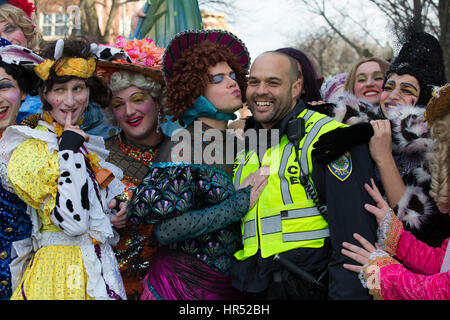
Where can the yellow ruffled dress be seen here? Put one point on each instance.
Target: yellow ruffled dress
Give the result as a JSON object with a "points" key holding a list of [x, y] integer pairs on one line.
{"points": [[58, 270], [34, 172]]}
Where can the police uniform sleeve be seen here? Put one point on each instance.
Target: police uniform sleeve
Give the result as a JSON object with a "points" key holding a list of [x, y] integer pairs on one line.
{"points": [[340, 185]]}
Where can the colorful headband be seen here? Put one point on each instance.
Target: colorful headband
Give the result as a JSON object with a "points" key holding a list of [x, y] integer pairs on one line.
{"points": [[77, 67]]}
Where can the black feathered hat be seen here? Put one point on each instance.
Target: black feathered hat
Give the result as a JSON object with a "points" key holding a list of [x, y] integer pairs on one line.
{"points": [[421, 57]]}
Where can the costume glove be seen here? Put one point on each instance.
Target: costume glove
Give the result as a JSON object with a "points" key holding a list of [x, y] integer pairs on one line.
{"points": [[334, 144], [70, 140]]}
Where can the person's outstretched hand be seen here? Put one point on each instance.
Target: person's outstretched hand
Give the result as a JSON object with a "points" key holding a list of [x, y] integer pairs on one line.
{"points": [[382, 208], [258, 180], [358, 254]]}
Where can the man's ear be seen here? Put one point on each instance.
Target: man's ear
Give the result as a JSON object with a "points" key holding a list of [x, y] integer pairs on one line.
{"points": [[296, 89]]}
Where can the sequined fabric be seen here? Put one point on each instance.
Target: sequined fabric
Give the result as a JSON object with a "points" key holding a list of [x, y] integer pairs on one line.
{"points": [[137, 244], [134, 253], [170, 190], [15, 224]]}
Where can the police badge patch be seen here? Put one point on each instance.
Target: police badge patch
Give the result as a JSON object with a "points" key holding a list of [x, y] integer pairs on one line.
{"points": [[342, 167]]}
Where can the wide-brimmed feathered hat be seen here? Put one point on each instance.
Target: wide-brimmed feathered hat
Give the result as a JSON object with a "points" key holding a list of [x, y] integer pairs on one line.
{"points": [[420, 56], [189, 38], [141, 56]]}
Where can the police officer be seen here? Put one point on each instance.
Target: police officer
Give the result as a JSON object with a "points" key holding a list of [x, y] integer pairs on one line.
{"points": [[292, 237]]}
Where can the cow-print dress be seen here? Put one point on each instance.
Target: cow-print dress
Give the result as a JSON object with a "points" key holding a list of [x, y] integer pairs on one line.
{"points": [[72, 234]]}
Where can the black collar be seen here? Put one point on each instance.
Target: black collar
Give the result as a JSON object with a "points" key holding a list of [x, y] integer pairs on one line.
{"points": [[281, 125], [251, 123]]}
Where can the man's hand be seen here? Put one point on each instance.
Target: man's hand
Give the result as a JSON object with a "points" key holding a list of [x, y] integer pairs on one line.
{"points": [[68, 126], [258, 181], [121, 217]]}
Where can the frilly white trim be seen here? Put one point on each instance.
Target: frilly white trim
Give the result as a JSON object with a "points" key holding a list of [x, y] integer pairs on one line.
{"points": [[374, 255], [100, 226], [21, 253], [383, 229]]}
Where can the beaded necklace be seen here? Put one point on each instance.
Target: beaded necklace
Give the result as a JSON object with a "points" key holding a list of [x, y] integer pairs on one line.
{"points": [[144, 154]]}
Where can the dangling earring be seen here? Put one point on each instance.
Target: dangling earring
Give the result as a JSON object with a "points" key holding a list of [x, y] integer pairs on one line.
{"points": [[158, 121]]}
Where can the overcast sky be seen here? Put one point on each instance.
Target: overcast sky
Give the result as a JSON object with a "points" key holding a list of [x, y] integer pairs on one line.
{"points": [[268, 24]]}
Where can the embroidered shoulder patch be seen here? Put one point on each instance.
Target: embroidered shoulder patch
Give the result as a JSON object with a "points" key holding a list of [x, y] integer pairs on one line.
{"points": [[342, 167]]}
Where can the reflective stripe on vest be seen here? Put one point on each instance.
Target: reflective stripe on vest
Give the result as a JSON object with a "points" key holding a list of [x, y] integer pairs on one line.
{"points": [[284, 217]]}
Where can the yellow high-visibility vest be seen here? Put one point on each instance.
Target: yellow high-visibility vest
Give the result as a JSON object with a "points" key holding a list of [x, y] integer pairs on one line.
{"points": [[284, 218]]}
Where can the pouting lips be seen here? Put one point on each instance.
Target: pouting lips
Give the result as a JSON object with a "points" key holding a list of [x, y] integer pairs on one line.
{"points": [[236, 92]]}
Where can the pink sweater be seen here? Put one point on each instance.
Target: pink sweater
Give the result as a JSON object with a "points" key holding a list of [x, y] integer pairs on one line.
{"points": [[419, 278]]}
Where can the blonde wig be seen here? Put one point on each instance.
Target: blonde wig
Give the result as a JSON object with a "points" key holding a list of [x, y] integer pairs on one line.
{"points": [[124, 79], [18, 18], [440, 161]]}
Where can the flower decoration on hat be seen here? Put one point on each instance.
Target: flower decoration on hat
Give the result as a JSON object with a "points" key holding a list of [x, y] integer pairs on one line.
{"points": [[27, 6], [141, 55], [143, 52]]}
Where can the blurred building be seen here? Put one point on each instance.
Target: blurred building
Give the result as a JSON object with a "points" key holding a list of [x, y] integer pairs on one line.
{"points": [[61, 18]]}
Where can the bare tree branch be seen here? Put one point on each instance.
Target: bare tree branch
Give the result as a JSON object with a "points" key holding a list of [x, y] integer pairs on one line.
{"points": [[366, 31], [320, 10]]}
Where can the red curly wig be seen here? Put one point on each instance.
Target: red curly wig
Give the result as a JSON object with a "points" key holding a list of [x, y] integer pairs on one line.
{"points": [[190, 75]]}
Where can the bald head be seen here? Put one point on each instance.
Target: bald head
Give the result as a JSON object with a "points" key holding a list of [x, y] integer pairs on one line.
{"points": [[292, 66], [273, 87]]}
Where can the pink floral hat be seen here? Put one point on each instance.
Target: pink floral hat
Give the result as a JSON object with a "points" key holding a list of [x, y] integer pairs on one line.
{"points": [[142, 56]]}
